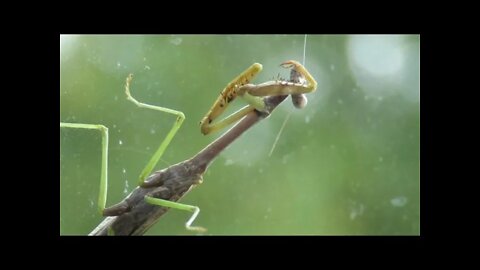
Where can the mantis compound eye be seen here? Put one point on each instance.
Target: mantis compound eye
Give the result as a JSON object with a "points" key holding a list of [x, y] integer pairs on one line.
{"points": [[299, 101]]}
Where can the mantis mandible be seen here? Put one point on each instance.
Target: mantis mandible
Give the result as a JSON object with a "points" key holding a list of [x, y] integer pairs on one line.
{"points": [[253, 94]]}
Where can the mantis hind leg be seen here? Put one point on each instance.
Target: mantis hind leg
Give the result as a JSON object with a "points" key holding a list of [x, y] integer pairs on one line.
{"points": [[180, 206], [163, 145], [102, 197], [156, 157]]}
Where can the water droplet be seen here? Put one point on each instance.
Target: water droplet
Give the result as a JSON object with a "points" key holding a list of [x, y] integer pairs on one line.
{"points": [[229, 162], [125, 190], [153, 131], [340, 101], [399, 201], [147, 67], [357, 211], [307, 119], [124, 171], [118, 64], [120, 142], [176, 40], [332, 67], [260, 170]]}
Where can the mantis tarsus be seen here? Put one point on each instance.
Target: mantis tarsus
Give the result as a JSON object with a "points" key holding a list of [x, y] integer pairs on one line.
{"points": [[163, 188]]}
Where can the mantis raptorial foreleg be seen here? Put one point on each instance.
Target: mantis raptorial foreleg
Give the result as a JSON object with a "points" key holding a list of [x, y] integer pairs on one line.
{"points": [[228, 94], [254, 94]]}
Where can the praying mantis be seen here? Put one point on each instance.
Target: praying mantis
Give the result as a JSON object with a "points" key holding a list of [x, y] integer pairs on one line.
{"points": [[149, 188]]}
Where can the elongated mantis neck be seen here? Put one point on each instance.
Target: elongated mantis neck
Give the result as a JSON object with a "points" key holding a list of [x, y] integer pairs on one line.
{"points": [[211, 151]]}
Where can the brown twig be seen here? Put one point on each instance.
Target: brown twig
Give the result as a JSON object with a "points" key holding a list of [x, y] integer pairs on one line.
{"points": [[134, 216]]}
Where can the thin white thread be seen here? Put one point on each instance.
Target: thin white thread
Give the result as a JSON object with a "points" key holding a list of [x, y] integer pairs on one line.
{"points": [[279, 133], [290, 113], [304, 49]]}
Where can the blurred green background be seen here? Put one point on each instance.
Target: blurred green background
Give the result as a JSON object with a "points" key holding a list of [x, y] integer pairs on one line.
{"points": [[347, 164]]}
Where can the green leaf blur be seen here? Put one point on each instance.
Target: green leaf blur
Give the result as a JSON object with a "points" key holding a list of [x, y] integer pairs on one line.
{"points": [[347, 164]]}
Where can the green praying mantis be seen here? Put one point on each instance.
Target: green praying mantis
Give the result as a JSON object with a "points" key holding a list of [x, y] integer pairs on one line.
{"points": [[255, 96]]}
